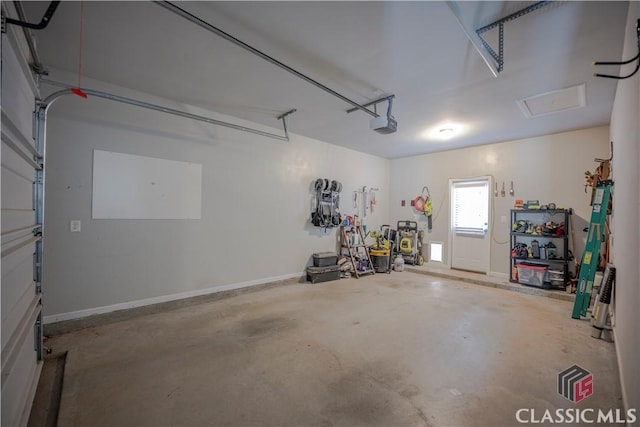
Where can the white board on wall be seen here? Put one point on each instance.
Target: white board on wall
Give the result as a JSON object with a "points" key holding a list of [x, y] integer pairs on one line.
{"points": [[126, 186]]}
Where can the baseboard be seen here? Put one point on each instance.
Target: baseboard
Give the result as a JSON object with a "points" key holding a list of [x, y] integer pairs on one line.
{"points": [[490, 273], [498, 274], [53, 318], [622, 384], [436, 264]]}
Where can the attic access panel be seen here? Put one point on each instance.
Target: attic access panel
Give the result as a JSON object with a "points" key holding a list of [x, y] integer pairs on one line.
{"points": [[554, 101]]}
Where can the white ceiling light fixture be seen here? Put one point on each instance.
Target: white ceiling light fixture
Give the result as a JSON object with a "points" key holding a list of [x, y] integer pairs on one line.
{"points": [[445, 131], [554, 101]]}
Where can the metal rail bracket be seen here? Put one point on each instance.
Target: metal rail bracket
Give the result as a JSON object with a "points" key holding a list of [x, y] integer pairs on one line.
{"points": [[46, 18], [499, 56]]}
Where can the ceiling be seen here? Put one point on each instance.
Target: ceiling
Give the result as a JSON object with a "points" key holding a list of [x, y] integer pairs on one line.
{"points": [[418, 51]]}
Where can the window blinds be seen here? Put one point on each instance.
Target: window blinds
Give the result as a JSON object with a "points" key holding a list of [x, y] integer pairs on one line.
{"points": [[471, 207]]}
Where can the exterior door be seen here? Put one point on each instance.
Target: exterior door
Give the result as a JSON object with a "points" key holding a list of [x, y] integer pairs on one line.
{"points": [[21, 238], [470, 242]]}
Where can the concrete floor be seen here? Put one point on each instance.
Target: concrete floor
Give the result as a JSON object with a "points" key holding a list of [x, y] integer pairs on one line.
{"points": [[388, 350]]}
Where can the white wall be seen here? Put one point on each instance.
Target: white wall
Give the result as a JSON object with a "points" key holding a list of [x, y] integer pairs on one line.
{"points": [[548, 168], [625, 134], [255, 206]]}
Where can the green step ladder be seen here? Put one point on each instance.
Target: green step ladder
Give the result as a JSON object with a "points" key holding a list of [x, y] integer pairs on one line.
{"points": [[591, 252]]}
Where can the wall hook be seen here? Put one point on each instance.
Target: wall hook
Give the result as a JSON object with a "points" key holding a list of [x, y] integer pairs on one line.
{"points": [[635, 58]]}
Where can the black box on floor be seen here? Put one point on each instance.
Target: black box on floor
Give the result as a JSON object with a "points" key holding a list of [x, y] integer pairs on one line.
{"points": [[322, 259], [323, 274]]}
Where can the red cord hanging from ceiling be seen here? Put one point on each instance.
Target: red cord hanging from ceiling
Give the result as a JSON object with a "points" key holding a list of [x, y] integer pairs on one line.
{"points": [[77, 90]]}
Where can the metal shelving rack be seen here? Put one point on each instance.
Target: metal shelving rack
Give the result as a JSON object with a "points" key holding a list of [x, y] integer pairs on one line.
{"points": [[540, 216]]}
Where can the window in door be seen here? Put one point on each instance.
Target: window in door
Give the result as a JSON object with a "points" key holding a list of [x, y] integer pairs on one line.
{"points": [[470, 207]]}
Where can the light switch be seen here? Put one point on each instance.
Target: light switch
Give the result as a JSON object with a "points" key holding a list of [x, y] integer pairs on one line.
{"points": [[74, 226], [503, 218]]}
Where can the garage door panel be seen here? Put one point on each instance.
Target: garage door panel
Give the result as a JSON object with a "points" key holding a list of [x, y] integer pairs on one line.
{"points": [[17, 97], [14, 255], [16, 191], [15, 283], [13, 220], [11, 238], [21, 380], [15, 162], [17, 266], [20, 305], [16, 219]]}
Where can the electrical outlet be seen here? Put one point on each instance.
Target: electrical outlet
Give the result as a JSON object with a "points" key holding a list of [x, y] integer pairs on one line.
{"points": [[402, 203], [74, 226]]}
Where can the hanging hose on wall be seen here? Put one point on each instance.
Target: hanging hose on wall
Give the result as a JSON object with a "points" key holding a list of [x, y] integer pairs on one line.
{"points": [[418, 203], [424, 205]]}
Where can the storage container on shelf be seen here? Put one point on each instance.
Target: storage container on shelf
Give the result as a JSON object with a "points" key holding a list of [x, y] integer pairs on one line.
{"points": [[531, 274]]}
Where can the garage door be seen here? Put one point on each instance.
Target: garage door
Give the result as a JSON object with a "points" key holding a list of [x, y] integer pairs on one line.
{"points": [[21, 243]]}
